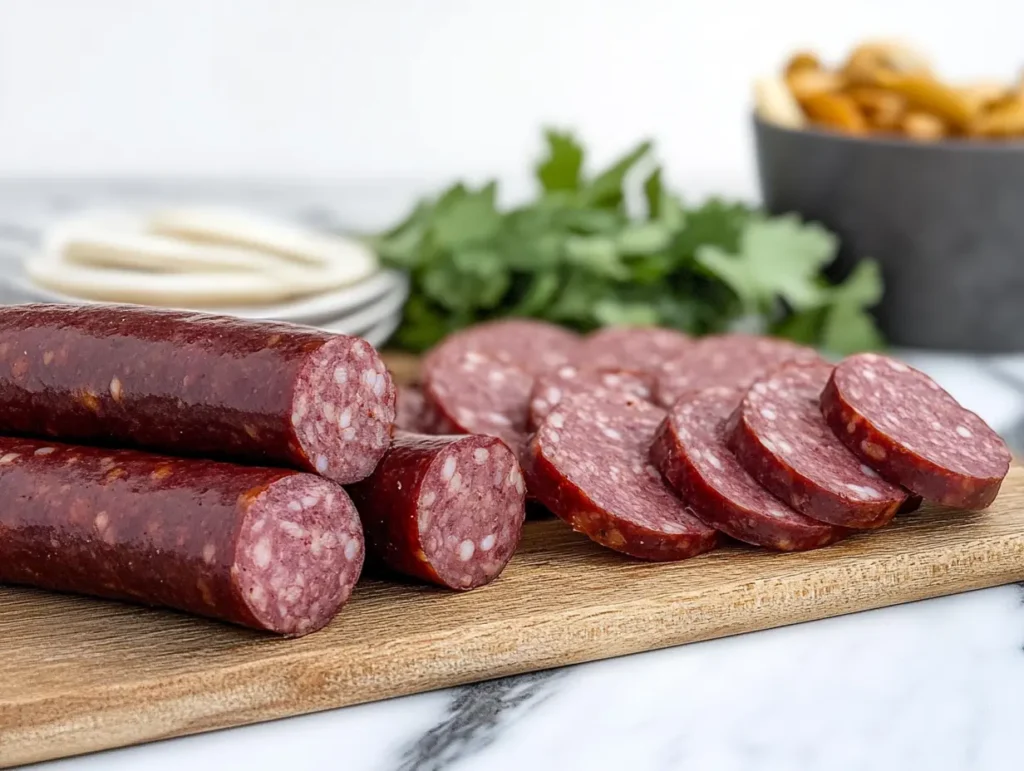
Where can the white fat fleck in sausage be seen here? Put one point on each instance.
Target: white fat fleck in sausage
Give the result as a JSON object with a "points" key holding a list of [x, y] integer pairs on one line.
{"points": [[448, 469], [466, 550]]}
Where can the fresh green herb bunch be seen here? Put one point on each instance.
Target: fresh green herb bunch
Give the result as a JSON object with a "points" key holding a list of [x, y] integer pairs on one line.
{"points": [[575, 256]]}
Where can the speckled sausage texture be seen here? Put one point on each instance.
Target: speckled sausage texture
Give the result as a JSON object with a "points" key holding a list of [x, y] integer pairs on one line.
{"points": [[588, 464], [444, 509], [902, 424], [691, 453], [730, 361], [549, 389], [196, 384], [409, 409], [533, 346], [266, 548], [478, 381], [780, 437], [641, 349]]}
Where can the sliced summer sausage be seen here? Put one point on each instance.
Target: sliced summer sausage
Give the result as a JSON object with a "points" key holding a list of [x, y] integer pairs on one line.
{"points": [[548, 390], [476, 394], [196, 384], [642, 349], [725, 360], [266, 548], [532, 346], [691, 453], [410, 409], [588, 464], [444, 509], [779, 436], [902, 424]]}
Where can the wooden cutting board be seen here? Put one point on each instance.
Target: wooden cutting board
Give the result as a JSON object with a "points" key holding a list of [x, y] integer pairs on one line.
{"points": [[78, 674]]}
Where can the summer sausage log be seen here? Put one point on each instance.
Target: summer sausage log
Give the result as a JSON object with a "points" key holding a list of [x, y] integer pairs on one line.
{"points": [[732, 361], [266, 548], [780, 437], [549, 389], [902, 424], [445, 509], [588, 464], [196, 384], [690, 451], [642, 349]]}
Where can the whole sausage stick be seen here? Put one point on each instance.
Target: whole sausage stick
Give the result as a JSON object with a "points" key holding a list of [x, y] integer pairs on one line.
{"points": [[196, 384], [266, 548]]}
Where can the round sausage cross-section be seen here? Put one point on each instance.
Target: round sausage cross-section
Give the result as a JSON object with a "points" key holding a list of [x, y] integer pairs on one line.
{"points": [[550, 389], [532, 346], [588, 464], [642, 349], [196, 384], [445, 509], [725, 360], [475, 393], [779, 436], [409, 409], [902, 424], [691, 453], [266, 548]]}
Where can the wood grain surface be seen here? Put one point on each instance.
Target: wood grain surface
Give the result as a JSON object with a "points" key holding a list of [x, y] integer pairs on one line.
{"points": [[78, 674]]}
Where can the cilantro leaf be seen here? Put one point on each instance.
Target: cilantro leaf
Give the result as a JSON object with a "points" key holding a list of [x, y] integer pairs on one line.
{"points": [[775, 258], [562, 168], [653, 194], [848, 327], [605, 190], [464, 217]]}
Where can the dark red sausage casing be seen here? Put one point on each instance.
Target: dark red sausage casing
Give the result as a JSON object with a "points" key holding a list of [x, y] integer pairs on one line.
{"points": [[266, 548], [445, 509], [907, 428], [690, 450], [779, 436], [196, 384], [588, 464]]}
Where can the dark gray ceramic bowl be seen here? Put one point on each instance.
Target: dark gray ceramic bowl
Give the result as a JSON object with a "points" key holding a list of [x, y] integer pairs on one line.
{"points": [[944, 220]]}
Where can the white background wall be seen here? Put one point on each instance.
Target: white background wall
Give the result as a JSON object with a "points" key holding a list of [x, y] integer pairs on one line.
{"points": [[426, 89]]}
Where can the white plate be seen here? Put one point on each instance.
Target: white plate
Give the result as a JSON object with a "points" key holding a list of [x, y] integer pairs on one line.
{"points": [[381, 287]]}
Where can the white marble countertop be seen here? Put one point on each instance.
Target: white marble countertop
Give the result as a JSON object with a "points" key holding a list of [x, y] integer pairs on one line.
{"points": [[937, 684]]}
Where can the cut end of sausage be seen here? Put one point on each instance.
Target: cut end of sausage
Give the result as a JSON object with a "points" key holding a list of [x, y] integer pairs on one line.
{"points": [[410, 409], [343, 410], [780, 437], [691, 452], [549, 389], [902, 424], [299, 554], [731, 361], [644, 349], [471, 507], [588, 463], [475, 393]]}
